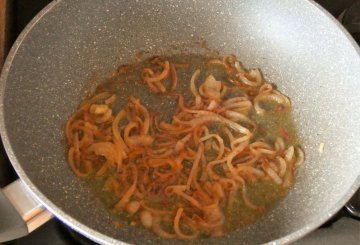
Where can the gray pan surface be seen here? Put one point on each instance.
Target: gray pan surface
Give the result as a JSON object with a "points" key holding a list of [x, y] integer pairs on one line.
{"points": [[296, 44]]}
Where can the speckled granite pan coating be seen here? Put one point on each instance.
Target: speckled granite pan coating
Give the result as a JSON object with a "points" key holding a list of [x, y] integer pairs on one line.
{"points": [[296, 44]]}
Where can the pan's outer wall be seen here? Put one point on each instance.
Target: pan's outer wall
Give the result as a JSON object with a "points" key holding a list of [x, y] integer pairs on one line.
{"points": [[297, 45]]}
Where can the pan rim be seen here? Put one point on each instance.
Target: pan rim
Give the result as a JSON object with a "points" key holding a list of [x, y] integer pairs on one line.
{"points": [[47, 203], [100, 237]]}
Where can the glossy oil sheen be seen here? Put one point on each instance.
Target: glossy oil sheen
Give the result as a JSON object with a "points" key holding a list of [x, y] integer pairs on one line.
{"points": [[264, 193], [296, 43]]}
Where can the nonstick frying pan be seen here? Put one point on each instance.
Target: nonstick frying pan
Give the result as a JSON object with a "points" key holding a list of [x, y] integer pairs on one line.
{"points": [[297, 45]]}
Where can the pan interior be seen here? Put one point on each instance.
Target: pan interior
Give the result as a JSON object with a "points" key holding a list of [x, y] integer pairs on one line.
{"points": [[77, 44]]}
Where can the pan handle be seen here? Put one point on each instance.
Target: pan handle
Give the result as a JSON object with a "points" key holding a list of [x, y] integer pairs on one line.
{"points": [[352, 207], [20, 212]]}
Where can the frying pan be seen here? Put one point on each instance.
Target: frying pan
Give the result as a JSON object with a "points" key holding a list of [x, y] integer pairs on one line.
{"points": [[297, 45]]}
